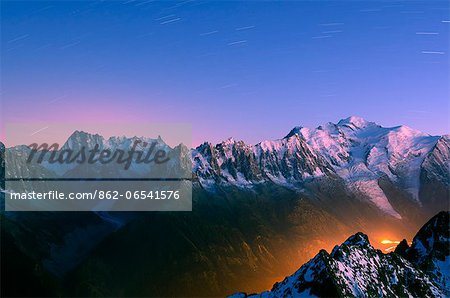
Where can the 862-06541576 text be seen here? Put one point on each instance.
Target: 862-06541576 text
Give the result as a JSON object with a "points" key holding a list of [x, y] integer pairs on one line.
{"points": [[98, 195]]}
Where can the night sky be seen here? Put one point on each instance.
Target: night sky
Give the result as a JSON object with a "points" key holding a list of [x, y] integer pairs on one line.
{"points": [[251, 70]]}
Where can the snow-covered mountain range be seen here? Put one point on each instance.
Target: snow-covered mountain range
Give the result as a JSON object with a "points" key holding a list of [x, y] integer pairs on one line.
{"points": [[357, 269], [366, 159], [354, 150]]}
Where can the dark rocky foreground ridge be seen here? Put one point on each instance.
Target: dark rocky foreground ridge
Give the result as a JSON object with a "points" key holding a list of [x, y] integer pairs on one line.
{"points": [[357, 269]]}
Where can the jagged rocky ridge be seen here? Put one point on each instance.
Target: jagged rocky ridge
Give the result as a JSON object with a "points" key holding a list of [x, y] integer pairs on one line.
{"points": [[368, 160], [357, 152], [356, 269]]}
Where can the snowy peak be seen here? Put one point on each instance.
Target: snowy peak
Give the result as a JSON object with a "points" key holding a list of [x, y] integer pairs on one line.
{"points": [[355, 122], [295, 131], [359, 239], [80, 139], [228, 142], [430, 250], [356, 269]]}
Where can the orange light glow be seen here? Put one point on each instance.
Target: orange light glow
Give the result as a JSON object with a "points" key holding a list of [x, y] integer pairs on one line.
{"points": [[391, 247], [389, 241]]}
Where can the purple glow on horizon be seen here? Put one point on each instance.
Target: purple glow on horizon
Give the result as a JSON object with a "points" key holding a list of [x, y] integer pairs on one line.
{"points": [[121, 63]]}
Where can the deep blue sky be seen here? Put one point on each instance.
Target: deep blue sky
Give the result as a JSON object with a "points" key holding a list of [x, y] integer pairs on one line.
{"points": [[251, 70]]}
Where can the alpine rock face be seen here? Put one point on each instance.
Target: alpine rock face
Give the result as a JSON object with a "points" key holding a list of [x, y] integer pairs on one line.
{"points": [[361, 154], [430, 250], [356, 269]]}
